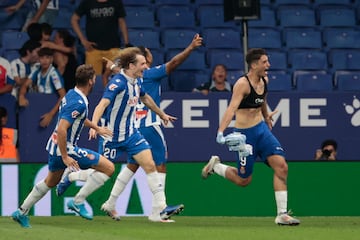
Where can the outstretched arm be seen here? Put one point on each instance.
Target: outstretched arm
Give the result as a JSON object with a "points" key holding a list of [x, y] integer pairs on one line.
{"points": [[182, 56], [149, 102]]}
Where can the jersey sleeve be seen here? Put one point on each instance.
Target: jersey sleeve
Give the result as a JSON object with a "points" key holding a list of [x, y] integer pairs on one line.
{"points": [[57, 79], [115, 86], [72, 109]]}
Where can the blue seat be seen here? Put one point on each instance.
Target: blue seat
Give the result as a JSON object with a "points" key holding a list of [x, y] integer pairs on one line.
{"points": [[146, 38], [341, 37], [347, 80], [307, 60], [267, 19], [314, 81], [234, 75], [13, 40], [264, 38], [299, 16], [279, 81], [337, 16], [14, 21], [318, 3], [137, 2], [344, 59], [11, 54], [195, 61], [222, 38], [177, 38], [303, 38], [233, 59], [212, 16], [158, 57], [140, 17], [63, 19], [291, 2], [175, 16], [183, 81], [278, 60], [207, 2]]}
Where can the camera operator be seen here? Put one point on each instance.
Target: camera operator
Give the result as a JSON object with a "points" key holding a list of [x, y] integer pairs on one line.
{"points": [[327, 151]]}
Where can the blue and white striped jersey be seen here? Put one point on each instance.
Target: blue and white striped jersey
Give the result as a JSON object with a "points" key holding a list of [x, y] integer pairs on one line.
{"points": [[74, 109], [123, 93], [152, 84], [21, 69], [48, 83], [53, 4]]}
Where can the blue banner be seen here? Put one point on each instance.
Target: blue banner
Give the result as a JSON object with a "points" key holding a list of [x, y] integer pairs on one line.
{"points": [[303, 121]]}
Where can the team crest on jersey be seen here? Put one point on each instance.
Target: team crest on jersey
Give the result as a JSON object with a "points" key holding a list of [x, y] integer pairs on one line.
{"points": [[74, 114], [112, 87]]}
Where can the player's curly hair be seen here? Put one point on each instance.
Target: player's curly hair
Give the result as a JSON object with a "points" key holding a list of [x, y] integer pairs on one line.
{"points": [[83, 73]]}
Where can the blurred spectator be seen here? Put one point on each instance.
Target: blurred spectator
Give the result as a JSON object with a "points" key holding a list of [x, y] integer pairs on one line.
{"points": [[8, 140], [65, 63], [45, 79], [6, 79], [21, 67], [102, 39], [327, 151], [217, 83], [43, 11]]}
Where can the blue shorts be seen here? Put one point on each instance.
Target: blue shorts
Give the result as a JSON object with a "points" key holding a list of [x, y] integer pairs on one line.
{"points": [[264, 144], [86, 158], [155, 137], [133, 145]]}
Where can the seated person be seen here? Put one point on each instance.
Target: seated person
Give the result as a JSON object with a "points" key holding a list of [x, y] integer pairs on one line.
{"points": [[45, 79], [327, 151], [21, 67], [218, 82], [6, 79]]}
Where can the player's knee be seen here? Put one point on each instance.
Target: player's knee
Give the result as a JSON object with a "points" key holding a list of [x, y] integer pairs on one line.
{"points": [[243, 182]]}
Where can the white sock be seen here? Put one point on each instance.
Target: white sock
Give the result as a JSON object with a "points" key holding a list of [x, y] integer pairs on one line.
{"points": [[38, 191], [94, 181], [281, 201], [81, 175], [157, 189], [122, 180], [220, 169], [162, 178]]}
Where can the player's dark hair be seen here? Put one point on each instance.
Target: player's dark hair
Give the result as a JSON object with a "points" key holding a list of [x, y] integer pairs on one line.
{"points": [[29, 45], [254, 55], [83, 73]]}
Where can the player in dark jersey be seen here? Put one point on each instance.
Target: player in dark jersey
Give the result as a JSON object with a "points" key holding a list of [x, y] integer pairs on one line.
{"points": [[248, 104]]}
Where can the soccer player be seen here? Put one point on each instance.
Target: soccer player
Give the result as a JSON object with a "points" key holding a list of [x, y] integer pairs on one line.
{"points": [[64, 152], [147, 122], [248, 104], [120, 98]]}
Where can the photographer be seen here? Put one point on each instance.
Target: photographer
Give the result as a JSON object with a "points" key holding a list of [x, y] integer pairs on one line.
{"points": [[327, 151]]}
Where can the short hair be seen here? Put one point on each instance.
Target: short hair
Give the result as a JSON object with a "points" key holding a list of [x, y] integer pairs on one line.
{"points": [[69, 40], [29, 45], [254, 54], [46, 28], [34, 31], [328, 142], [83, 73], [45, 52], [128, 55]]}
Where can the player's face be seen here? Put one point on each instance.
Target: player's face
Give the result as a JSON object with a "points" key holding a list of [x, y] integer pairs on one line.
{"points": [[140, 66], [262, 66], [92, 83]]}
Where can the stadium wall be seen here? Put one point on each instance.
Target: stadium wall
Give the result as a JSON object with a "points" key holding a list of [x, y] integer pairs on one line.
{"points": [[315, 189]]}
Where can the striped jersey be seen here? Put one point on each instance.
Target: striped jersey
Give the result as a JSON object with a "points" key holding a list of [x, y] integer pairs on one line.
{"points": [[49, 82], [124, 93], [74, 109], [152, 84], [53, 4], [21, 69]]}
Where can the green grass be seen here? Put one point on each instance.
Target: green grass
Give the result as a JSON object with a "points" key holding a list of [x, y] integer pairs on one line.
{"points": [[185, 228]]}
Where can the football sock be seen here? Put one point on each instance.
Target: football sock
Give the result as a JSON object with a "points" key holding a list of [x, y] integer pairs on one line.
{"points": [[94, 181], [122, 180], [220, 169], [157, 189], [281, 201], [81, 175], [38, 191]]}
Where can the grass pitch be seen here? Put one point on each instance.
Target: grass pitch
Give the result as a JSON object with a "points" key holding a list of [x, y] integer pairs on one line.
{"points": [[185, 228]]}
